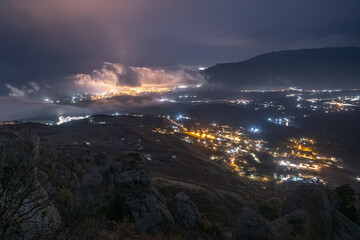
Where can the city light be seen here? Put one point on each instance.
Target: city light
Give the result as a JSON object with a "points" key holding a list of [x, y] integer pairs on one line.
{"points": [[254, 130], [63, 119]]}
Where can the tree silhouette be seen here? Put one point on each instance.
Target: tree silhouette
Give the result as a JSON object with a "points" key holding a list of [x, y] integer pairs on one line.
{"points": [[22, 194]]}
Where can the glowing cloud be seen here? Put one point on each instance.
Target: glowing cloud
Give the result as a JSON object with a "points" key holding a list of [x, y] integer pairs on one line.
{"points": [[113, 75]]}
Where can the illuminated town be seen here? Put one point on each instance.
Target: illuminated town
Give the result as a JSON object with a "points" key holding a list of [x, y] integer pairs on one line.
{"points": [[131, 91], [239, 149]]}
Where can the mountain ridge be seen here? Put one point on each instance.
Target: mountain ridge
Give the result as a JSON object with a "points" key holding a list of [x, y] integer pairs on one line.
{"points": [[307, 68]]}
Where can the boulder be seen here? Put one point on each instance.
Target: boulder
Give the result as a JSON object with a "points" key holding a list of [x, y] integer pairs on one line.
{"points": [[251, 225], [93, 175], [290, 226], [298, 199], [186, 209], [149, 211], [318, 216], [45, 219], [30, 210], [129, 181], [343, 228], [313, 211]]}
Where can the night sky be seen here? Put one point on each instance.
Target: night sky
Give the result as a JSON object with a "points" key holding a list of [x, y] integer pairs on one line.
{"points": [[43, 43]]}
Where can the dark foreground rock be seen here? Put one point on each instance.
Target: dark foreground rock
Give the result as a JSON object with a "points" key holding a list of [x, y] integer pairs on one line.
{"points": [[291, 226], [251, 225], [298, 199], [318, 216], [312, 213], [93, 187], [186, 209], [26, 209], [343, 228], [124, 181]]}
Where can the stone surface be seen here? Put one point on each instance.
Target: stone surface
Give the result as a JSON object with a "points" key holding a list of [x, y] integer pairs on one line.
{"points": [[35, 213], [95, 181], [43, 222], [187, 210], [318, 216], [149, 211], [298, 199], [93, 175], [343, 228], [251, 226], [290, 226], [312, 211], [126, 179]]}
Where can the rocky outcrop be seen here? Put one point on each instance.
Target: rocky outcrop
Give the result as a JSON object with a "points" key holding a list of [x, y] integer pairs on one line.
{"points": [[251, 225], [124, 181], [291, 226], [98, 183], [187, 211], [44, 218], [298, 199], [312, 213], [101, 183], [93, 176], [150, 212], [343, 228], [132, 182], [26, 209], [318, 216]]}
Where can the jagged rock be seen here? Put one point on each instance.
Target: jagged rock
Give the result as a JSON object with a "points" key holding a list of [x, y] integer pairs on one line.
{"points": [[251, 226], [291, 225], [128, 180], [298, 199], [119, 184], [323, 221], [318, 216], [343, 228], [23, 145], [44, 221], [30, 211], [149, 211], [93, 175], [186, 209]]}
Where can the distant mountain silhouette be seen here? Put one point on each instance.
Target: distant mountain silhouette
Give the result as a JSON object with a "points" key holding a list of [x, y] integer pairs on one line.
{"points": [[337, 67]]}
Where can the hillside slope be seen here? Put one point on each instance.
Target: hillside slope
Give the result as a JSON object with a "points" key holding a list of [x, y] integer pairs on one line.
{"points": [[306, 68]]}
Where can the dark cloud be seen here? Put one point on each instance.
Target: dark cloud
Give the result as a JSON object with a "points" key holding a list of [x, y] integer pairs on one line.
{"points": [[23, 90], [47, 41]]}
